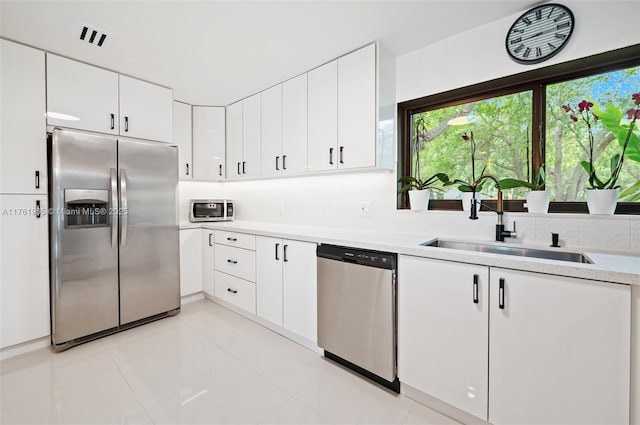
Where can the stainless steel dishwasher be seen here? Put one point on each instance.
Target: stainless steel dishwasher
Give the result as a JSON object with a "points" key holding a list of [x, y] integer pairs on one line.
{"points": [[357, 321]]}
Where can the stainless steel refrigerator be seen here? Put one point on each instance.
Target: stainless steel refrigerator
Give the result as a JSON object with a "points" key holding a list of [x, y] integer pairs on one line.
{"points": [[114, 240]]}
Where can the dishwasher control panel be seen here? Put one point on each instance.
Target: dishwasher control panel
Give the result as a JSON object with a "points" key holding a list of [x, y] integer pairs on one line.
{"points": [[383, 260]]}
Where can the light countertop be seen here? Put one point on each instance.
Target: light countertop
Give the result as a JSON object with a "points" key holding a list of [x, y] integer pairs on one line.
{"points": [[614, 267]]}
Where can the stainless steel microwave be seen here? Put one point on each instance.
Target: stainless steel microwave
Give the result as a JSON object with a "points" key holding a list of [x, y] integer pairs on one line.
{"points": [[211, 210]]}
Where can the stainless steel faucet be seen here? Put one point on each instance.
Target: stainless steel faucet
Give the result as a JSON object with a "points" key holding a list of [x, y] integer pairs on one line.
{"points": [[500, 232]]}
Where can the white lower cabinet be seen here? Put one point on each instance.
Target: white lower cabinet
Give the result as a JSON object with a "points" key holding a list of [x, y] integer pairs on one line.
{"points": [[24, 274], [208, 263], [286, 284], [443, 331], [190, 261], [559, 350], [558, 347], [236, 291]]}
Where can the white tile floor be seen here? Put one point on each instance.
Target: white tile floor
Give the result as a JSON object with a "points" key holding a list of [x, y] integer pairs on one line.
{"points": [[207, 365]]}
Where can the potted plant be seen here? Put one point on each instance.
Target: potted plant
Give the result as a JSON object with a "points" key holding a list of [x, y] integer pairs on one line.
{"points": [[537, 196], [467, 187], [602, 195], [419, 189]]}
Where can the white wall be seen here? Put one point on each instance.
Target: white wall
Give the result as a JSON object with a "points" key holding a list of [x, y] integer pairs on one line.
{"points": [[467, 58]]}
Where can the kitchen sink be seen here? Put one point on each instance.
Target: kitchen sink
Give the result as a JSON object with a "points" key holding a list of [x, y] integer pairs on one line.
{"points": [[575, 257]]}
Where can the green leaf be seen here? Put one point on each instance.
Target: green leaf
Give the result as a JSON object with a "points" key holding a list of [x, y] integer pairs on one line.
{"points": [[614, 162], [631, 194], [513, 183]]}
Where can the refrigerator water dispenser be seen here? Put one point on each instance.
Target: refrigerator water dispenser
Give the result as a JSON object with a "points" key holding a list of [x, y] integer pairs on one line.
{"points": [[86, 208]]}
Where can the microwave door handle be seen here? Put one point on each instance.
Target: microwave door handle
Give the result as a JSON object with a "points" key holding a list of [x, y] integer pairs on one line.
{"points": [[124, 222], [114, 208]]}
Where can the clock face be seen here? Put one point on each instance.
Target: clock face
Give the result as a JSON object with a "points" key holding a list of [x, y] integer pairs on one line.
{"points": [[539, 33]]}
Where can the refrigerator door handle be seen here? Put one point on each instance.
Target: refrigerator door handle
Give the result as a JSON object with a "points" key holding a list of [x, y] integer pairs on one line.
{"points": [[124, 221], [113, 210]]}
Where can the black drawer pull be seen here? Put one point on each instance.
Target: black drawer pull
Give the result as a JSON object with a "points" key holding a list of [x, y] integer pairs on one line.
{"points": [[341, 154], [284, 253], [501, 294], [330, 156], [284, 162], [37, 179], [244, 164], [233, 291], [475, 289], [126, 124], [277, 248], [113, 121], [277, 163], [210, 234], [187, 169], [220, 169], [232, 261], [232, 239]]}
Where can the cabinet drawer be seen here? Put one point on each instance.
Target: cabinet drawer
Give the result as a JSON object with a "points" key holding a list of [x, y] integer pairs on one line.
{"points": [[240, 240], [235, 261], [236, 291]]}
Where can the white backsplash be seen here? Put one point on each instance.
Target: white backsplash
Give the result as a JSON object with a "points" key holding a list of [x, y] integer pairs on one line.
{"points": [[335, 201]]}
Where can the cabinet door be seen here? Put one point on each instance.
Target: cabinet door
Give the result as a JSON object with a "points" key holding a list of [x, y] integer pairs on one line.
{"points": [[182, 138], [208, 143], [145, 110], [234, 140], [299, 278], [23, 147], [357, 109], [251, 136], [294, 125], [24, 275], [81, 96], [190, 261], [443, 332], [208, 261], [269, 279], [323, 117], [560, 350], [272, 131]]}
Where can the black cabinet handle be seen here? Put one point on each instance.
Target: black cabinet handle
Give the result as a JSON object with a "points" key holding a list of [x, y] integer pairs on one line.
{"points": [[501, 294], [126, 123], [475, 288], [113, 121], [233, 291], [277, 247], [37, 179], [330, 156], [284, 253], [232, 239], [244, 164], [187, 169], [238, 168], [220, 169], [277, 163], [38, 209], [284, 162], [232, 261], [341, 154], [210, 234]]}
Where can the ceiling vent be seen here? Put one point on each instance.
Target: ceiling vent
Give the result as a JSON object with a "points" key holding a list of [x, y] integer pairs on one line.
{"points": [[93, 36]]}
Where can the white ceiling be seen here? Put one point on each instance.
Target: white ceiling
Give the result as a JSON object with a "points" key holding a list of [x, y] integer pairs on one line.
{"points": [[217, 52]]}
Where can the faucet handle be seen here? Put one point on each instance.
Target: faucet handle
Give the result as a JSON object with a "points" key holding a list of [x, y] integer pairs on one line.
{"points": [[513, 233]]}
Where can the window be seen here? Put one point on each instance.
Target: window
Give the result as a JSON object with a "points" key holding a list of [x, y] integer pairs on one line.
{"points": [[519, 124]]}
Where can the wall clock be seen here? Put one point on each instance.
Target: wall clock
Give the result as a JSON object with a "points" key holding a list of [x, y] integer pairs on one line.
{"points": [[540, 33]]}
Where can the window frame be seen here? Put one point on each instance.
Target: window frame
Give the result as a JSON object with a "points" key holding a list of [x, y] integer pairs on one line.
{"points": [[535, 80]]}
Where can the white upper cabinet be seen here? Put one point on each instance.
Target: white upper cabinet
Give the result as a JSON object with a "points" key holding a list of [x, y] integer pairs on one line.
{"points": [[294, 125], [323, 117], [23, 151], [234, 140], [90, 98], [81, 96], [182, 138], [208, 143], [251, 136], [145, 110], [357, 109], [559, 350], [272, 131]]}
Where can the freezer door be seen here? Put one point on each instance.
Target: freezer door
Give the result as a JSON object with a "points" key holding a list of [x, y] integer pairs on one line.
{"points": [[149, 241], [84, 251]]}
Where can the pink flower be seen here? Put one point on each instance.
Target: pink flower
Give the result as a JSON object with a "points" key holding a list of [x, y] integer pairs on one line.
{"points": [[633, 112], [574, 118], [584, 106], [636, 98], [465, 137], [566, 108]]}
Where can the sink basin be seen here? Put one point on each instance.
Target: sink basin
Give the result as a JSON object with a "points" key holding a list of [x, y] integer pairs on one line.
{"points": [[575, 257]]}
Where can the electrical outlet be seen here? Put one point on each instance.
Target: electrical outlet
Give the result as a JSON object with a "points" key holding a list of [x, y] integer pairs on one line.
{"points": [[365, 208]]}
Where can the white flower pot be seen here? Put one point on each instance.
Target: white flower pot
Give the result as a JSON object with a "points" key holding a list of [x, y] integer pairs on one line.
{"points": [[419, 199], [537, 201], [602, 201], [466, 201]]}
